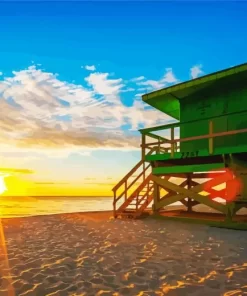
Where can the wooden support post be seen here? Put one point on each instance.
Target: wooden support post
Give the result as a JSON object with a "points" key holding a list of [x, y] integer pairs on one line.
{"points": [[172, 142], [114, 203], [143, 146], [210, 140], [158, 145], [156, 197], [125, 190], [230, 211], [189, 203], [137, 200]]}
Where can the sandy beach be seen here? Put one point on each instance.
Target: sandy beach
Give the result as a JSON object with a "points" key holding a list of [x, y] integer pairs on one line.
{"points": [[92, 254]]}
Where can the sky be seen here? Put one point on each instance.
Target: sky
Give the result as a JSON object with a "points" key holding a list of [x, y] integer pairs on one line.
{"points": [[72, 76]]}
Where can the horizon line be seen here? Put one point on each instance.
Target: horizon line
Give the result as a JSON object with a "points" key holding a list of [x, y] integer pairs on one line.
{"points": [[55, 196]]}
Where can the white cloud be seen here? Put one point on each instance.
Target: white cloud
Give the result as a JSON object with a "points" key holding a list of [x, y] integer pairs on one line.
{"points": [[128, 89], [102, 85], [1, 73], [37, 110], [90, 68], [196, 71], [167, 79], [138, 78]]}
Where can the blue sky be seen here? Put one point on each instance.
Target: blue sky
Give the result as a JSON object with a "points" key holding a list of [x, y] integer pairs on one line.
{"points": [[98, 58], [127, 38]]}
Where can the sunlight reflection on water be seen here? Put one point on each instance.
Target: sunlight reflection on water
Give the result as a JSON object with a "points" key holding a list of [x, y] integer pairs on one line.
{"points": [[21, 206]]}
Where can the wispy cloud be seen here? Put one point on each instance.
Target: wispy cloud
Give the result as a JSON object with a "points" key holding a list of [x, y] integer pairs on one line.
{"points": [[196, 71], [168, 78], [102, 85], [38, 110], [138, 78], [90, 68], [11, 170], [148, 85]]}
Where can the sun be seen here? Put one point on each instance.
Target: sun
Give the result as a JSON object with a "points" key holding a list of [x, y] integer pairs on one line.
{"points": [[2, 185]]}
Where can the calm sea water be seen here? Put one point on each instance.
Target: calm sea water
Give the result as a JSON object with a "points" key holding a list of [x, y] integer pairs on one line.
{"points": [[29, 206]]}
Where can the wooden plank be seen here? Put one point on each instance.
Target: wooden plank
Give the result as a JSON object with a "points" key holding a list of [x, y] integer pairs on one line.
{"points": [[169, 200], [143, 146], [172, 142], [133, 195]]}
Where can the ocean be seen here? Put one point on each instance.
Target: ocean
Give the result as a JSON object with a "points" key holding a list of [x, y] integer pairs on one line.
{"points": [[11, 207]]}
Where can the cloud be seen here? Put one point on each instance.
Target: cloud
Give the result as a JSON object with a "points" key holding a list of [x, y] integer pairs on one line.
{"points": [[167, 79], [102, 85], [196, 71], [1, 73], [51, 183], [38, 110], [128, 89], [90, 68], [11, 170], [138, 78]]}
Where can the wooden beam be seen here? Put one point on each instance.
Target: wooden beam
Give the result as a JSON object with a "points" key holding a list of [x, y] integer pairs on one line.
{"points": [[184, 202], [156, 197], [172, 142], [169, 200], [205, 175], [221, 134], [194, 192], [143, 147], [158, 137], [189, 185]]}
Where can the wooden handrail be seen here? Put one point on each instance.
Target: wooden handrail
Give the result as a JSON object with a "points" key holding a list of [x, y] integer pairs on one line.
{"points": [[142, 185], [143, 197], [120, 183], [207, 136], [132, 183], [213, 135], [158, 137]]}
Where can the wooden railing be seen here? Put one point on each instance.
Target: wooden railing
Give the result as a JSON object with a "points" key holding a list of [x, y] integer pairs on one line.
{"points": [[173, 144], [126, 186], [136, 193]]}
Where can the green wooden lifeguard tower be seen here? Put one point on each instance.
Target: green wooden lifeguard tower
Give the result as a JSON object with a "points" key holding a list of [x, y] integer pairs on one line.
{"points": [[201, 157]]}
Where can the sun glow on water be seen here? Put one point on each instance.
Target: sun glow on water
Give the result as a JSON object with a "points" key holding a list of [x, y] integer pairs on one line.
{"points": [[2, 184]]}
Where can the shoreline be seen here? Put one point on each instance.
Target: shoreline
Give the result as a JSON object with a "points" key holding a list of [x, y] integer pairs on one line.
{"points": [[198, 209], [87, 213]]}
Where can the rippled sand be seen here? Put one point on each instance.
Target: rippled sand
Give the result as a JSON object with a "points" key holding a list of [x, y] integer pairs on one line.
{"points": [[88, 254]]}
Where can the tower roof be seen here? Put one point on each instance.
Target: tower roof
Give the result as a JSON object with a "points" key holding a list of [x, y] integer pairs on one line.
{"points": [[168, 99]]}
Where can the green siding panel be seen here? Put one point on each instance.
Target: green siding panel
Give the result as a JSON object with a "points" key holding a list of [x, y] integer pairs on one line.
{"points": [[228, 111], [188, 168]]}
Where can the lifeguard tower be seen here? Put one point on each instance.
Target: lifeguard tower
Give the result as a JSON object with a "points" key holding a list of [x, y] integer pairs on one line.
{"points": [[199, 158]]}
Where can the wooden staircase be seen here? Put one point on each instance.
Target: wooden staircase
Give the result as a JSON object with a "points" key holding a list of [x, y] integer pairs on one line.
{"points": [[134, 193]]}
